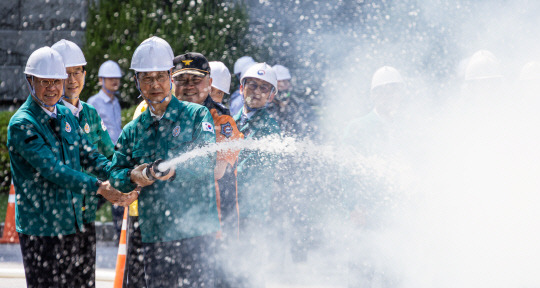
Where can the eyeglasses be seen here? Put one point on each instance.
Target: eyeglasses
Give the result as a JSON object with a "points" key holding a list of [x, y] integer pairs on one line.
{"points": [[147, 80], [195, 80], [76, 74], [49, 83], [264, 88]]}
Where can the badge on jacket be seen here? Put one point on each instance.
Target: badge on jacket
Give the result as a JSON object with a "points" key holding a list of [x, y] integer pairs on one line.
{"points": [[103, 126], [86, 128], [176, 131], [226, 129], [68, 128]]}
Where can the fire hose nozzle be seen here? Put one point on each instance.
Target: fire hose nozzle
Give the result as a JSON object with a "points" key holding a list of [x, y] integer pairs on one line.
{"points": [[154, 166]]}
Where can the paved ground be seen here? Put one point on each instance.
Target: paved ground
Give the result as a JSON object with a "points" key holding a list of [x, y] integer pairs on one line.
{"points": [[316, 273]]}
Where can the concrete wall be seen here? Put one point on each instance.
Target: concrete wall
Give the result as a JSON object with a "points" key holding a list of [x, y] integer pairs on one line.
{"points": [[26, 25]]}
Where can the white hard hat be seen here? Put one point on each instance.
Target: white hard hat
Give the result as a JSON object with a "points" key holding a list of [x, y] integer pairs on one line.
{"points": [[221, 77], [162, 41], [242, 64], [71, 53], [386, 75], [152, 55], [45, 62], [110, 69], [531, 71], [261, 71], [282, 73], [483, 65]]}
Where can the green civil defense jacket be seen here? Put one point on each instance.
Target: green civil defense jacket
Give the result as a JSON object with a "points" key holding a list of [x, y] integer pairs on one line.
{"points": [[256, 177], [96, 131], [186, 206], [47, 170]]}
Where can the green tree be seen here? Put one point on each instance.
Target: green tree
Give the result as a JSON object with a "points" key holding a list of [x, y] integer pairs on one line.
{"points": [[115, 28]]}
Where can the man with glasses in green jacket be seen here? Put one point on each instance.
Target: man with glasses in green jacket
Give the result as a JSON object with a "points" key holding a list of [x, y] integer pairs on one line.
{"points": [[178, 218], [256, 170], [49, 153]]}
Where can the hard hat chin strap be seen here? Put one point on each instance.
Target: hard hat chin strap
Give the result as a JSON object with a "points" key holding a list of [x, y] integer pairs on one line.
{"points": [[109, 91], [33, 94], [150, 102]]}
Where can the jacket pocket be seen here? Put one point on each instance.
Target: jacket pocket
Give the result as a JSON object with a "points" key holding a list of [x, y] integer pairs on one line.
{"points": [[71, 151]]}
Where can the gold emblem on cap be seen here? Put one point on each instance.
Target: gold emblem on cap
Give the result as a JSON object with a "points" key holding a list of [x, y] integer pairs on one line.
{"points": [[187, 62]]}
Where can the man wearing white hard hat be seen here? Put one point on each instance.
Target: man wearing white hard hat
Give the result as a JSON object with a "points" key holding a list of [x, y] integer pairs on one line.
{"points": [[49, 154], [483, 82], [236, 102], [376, 134], [106, 102], [369, 132], [256, 177], [89, 120], [221, 80], [177, 215]]}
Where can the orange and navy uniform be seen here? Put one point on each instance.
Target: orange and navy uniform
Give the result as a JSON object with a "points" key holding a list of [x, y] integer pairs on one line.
{"points": [[225, 172]]}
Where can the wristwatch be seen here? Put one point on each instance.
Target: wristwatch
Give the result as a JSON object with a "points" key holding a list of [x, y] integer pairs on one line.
{"points": [[98, 183]]}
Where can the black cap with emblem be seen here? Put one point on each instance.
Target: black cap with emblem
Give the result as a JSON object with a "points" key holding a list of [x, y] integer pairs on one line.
{"points": [[191, 63]]}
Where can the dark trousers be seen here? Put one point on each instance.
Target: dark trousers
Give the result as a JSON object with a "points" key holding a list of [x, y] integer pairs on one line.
{"points": [[60, 261], [183, 263], [134, 275]]}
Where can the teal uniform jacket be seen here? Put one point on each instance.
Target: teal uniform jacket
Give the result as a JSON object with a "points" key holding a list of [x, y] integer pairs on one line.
{"points": [[96, 131], [256, 169], [48, 170], [186, 206]]}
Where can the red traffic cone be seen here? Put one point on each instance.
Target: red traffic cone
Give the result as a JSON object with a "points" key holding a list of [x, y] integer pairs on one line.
{"points": [[122, 249], [10, 234]]}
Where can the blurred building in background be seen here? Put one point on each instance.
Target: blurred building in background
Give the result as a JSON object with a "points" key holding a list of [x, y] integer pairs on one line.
{"points": [[26, 25]]}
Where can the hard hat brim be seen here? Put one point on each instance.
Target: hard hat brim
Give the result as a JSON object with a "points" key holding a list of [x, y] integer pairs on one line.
{"points": [[157, 69], [77, 64], [220, 89]]}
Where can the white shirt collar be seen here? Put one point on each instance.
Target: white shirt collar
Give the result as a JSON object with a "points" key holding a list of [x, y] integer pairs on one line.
{"points": [[249, 114], [156, 117], [104, 96], [74, 110], [49, 112]]}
